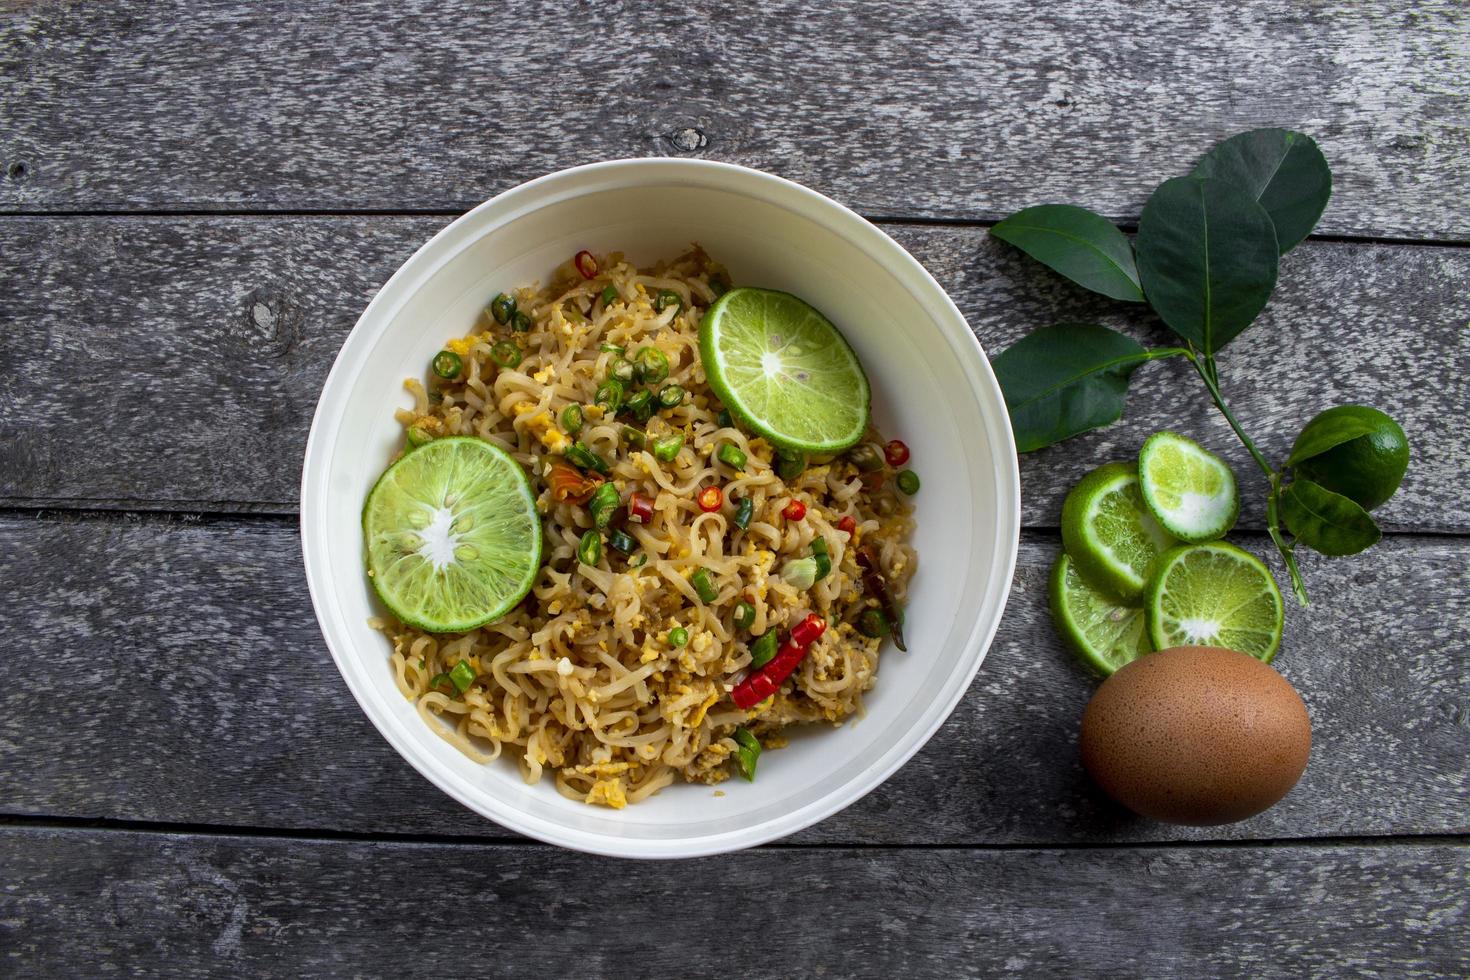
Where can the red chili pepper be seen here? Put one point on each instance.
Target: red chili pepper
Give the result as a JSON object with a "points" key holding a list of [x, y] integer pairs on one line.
{"points": [[794, 511], [847, 525], [586, 264], [762, 683], [710, 499], [896, 452], [640, 509]]}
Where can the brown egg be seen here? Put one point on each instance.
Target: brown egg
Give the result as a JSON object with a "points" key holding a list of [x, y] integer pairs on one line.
{"points": [[1196, 735]]}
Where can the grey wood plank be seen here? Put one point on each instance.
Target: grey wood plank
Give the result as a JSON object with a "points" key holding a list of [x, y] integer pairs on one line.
{"points": [[945, 109], [171, 672], [227, 906], [192, 350]]}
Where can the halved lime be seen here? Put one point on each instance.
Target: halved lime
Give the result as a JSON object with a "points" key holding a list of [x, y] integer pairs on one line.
{"points": [[1109, 532], [784, 371], [1105, 634], [1190, 491], [1214, 595], [453, 537]]}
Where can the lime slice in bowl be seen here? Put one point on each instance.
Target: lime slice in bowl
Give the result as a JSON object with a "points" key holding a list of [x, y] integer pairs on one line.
{"points": [[453, 537], [1215, 595], [1189, 490], [784, 371], [1109, 532], [1104, 634]]}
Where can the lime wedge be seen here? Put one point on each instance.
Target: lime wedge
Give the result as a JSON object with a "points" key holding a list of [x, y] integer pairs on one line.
{"points": [[453, 537], [784, 371], [1109, 532], [1105, 635], [1214, 595], [1188, 489]]}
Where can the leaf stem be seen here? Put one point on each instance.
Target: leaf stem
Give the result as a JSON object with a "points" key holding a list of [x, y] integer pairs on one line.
{"points": [[1204, 365]]}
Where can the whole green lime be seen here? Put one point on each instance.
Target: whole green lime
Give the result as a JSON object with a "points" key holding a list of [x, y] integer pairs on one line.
{"points": [[1366, 468]]}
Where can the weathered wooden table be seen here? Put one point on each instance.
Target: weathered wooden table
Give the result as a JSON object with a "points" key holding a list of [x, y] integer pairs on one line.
{"points": [[198, 200]]}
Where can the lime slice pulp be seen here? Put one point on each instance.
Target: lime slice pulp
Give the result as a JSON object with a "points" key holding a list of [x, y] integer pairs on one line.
{"points": [[1109, 532], [1215, 595], [784, 371], [1189, 490], [453, 537], [1105, 634]]}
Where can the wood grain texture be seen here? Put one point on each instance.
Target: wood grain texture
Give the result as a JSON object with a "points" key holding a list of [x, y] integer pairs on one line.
{"points": [[945, 109], [172, 672], [191, 352], [231, 906]]}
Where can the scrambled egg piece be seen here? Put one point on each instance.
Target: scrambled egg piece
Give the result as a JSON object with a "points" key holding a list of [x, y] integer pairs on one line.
{"points": [[608, 792], [544, 429]]}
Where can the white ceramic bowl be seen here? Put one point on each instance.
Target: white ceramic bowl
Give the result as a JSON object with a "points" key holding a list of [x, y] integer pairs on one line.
{"points": [[932, 386]]}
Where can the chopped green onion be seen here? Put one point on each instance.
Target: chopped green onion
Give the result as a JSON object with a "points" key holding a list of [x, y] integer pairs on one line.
{"points": [[667, 448], [610, 395], [653, 365], [609, 293], [724, 420], [704, 586], [622, 541], [589, 549], [612, 349], [908, 482], [872, 623], [640, 405], [439, 680], [747, 753], [678, 636], [743, 512], [633, 437], [763, 650], [800, 573], [866, 457], [418, 437], [731, 455], [744, 615], [671, 396], [580, 455], [463, 675], [447, 365], [789, 466], [718, 286], [622, 369], [603, 504], [571, 419], [667, 298], [506, 354], [502, 308], [521, 323]]}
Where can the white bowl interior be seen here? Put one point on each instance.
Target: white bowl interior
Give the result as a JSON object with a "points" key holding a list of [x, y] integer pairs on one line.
{"points": [[931, 387]]}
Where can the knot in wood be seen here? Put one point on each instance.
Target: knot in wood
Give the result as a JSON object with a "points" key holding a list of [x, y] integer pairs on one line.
{"points": [[688, 139]]}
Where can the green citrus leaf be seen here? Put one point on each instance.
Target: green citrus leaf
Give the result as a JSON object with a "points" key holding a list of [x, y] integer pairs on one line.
{"points": [[1065, 379], [1324, 432], [1282, 169], [1325, 521], [1207, 259], [1083, 246]]}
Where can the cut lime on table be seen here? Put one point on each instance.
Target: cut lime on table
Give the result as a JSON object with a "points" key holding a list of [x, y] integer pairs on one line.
{"points": [[1215, 595], [453, 537], [1109, 532], [1105, 635], [1189, 490], [784, 371]]}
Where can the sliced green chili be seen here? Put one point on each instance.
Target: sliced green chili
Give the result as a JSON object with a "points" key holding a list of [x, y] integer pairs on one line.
{"points": [[747, 753], [634, 438], [439, 680], [743, 512], [610, 395], [521, 323], [462, 675], [506, 354], [603, 504], [724, 420], [667, 298], [671, 396], [579, 455], [678, 636], [704, 586], [789, 466], [653, 365], [447, 365], [502, 308], [622, 369], [640, 404], [612, 349], [589, 549], [763, 650], [908, 482], [731, 455], [609, 293], [571, 419], [744, 615], [418, 437], [823, 556], [872, 623], [638, 560], [622, 541], [666, 449]]}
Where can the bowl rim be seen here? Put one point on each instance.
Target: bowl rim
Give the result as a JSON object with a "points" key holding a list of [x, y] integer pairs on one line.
{"points": [[578, 181]]}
